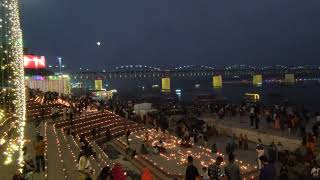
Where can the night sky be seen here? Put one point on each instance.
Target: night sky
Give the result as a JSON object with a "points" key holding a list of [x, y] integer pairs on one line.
{"points": [[173, 32]]}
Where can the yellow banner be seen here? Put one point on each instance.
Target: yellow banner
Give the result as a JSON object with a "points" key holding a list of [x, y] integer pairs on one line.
{"points": [[217, 81], [165, 83], [257, 80], [98, 84], [289, 78]]}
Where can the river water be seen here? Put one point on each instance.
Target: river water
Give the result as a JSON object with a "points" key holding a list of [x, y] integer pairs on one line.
{"points": [[304, 94]]}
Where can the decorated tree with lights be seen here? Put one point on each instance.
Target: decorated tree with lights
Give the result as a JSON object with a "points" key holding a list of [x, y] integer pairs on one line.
{"points": [[12, 103]]}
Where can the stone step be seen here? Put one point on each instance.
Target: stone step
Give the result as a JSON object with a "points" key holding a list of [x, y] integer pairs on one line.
{"points": [[140, 163], [54, 166]]}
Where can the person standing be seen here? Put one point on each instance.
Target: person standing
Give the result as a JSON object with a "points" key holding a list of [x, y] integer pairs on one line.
{"points": [[232, 170], [127, 134], [53, 113], [191, 171], [268, 171], [70, 113], [117, 172], [64, 113], [260, 152], [84, 167], [272, 153], [105, 173], [284, 172], [42, 113], [39, 148], [146, 174], [315, 171], [205, 141], [251, 116], [205, 175], [29, 166], [233, 141], [214, 170], [245, 142], [18, 176], [277, 122], [214, 149], [240, 141], [268, 117], [108, 135], [257, 120]]}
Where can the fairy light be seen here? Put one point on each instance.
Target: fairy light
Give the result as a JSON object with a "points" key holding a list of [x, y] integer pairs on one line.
{"points": [[13, 50], [5, 134], [60, 154], [1, 115], [83, 125], [35, 105], [176, 154], [70, 150]]}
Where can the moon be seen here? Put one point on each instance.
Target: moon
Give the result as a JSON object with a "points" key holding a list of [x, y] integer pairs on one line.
{"points": [[98, 43]]}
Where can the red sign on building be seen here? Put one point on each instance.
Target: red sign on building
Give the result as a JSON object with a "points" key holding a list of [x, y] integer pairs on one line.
{"points": [[34, 62]]}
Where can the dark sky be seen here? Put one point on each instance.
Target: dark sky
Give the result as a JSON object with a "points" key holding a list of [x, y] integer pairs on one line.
{"points": [[173, 32]]}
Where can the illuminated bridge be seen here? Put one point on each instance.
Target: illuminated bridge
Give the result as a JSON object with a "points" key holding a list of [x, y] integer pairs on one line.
{"points": [[240, 72]]}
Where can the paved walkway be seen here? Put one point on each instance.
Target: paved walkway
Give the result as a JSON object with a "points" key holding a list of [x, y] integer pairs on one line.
{"points": [[244, 123], [250, 155]]}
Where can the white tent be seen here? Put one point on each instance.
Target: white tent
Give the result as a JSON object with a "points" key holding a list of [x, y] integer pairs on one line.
{"points": [[143, 108]]}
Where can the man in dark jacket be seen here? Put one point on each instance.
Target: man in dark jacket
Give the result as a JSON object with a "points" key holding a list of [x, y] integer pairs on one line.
{"points": [[191, 172], [272, 154], [232, 170], [268, 170]]}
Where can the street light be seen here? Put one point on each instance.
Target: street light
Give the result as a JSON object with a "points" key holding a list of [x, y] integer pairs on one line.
{"points": [[60, 62]]}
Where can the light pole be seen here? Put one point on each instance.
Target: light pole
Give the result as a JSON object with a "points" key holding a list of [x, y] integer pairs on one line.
{"points": [[60, 62]]}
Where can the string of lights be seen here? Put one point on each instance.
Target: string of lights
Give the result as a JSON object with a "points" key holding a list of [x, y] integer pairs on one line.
{"points": [[12, 73], [46, 148]]}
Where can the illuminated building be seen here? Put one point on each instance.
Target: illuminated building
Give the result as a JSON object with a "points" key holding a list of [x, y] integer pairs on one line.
{"points": [[38, 77], [54, 83]]}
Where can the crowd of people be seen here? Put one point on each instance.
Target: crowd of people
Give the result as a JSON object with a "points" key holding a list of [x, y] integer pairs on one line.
{"points": [[215, 172], [291, 119], [280, 117]]}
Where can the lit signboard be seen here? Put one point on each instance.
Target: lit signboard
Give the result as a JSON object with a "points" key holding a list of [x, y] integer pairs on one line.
{"points": [[34, 62]]}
